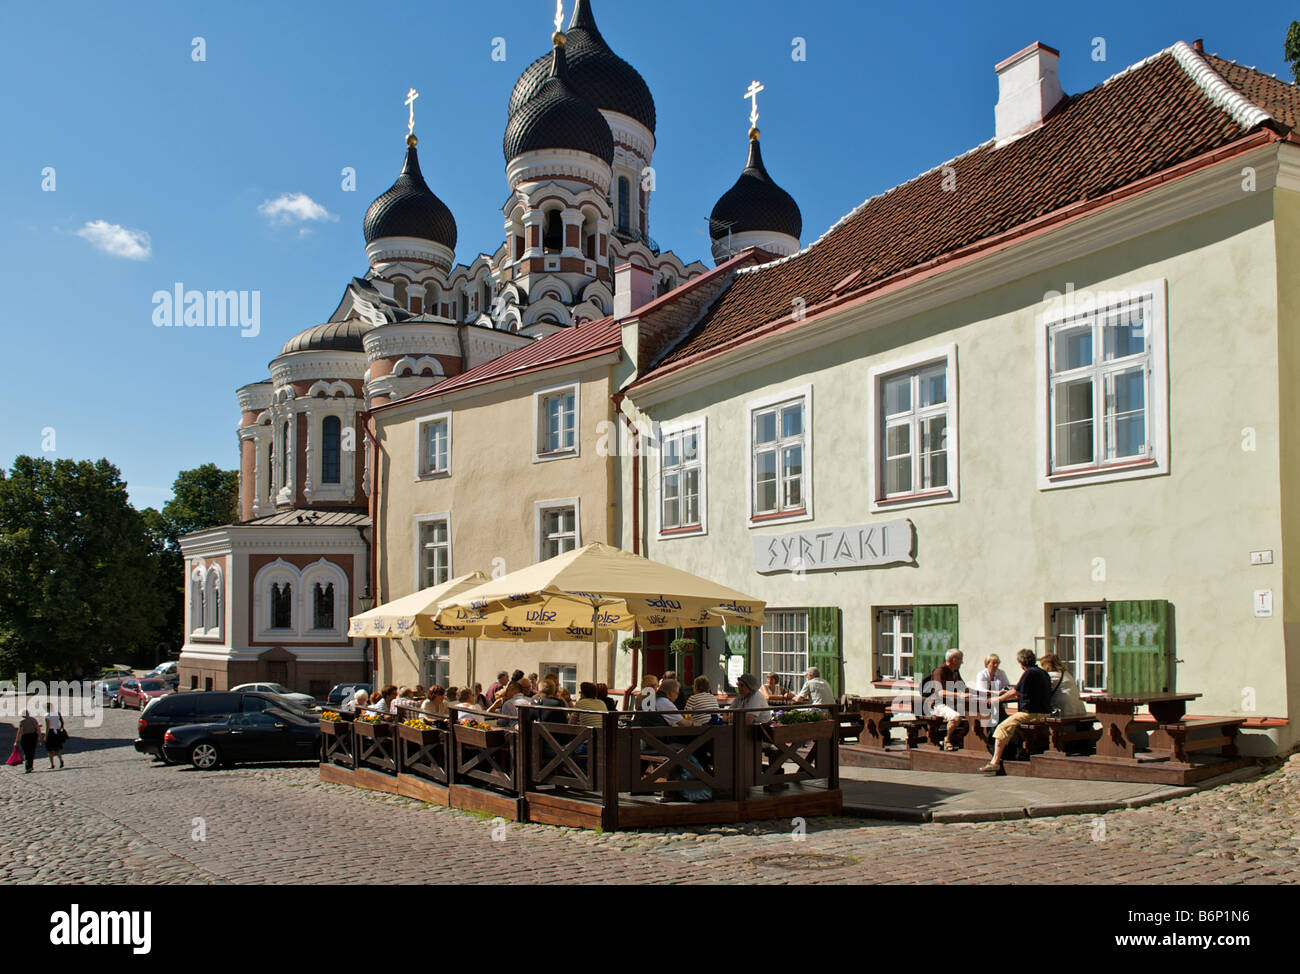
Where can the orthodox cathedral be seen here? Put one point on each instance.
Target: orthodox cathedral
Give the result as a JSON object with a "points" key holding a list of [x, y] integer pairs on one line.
{"points": [[270, 597]]}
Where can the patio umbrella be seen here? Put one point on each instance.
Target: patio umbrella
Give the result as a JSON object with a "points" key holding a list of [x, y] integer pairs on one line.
{"points": [[601, 587], [412, 615]]}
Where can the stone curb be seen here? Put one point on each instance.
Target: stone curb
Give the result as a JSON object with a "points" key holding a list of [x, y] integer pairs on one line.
{"points": [[1073, 808], [1163, 795], [978, 815], [888, 812]]}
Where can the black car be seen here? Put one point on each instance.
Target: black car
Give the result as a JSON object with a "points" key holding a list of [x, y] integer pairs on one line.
{"points": [[196, 707], [346, 691], [266, 735]]}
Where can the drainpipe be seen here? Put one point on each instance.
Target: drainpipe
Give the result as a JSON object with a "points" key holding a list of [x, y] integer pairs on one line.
{"points": [[636, 504], [372, 550]]}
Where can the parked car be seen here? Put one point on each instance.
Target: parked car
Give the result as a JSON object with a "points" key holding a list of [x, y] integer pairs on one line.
{"points": [[167, 672], [106, 691], [197, 707], [138, 692], [304, 700], [343, 692], [267, 735]]}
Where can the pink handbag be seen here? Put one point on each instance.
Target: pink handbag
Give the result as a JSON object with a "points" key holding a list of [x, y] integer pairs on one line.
{"points": [[15, 756]]}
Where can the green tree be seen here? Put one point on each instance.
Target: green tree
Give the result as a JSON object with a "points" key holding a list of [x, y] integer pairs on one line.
{"points": [[77, 585], [1291, 50]]}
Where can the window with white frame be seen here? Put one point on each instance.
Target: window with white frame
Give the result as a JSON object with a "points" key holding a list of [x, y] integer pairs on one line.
{"points": [[566, 672], [435, 446], [778, 474], [913, 409], [1080, 633], [1102, 385], [557, 530], [435, 663], [323, 605], [557, 422], [281, 605], [681, 479], [435, 551], [785, 647], [894, 644]]}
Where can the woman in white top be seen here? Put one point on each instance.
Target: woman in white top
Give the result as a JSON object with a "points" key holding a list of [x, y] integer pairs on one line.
{"points": [[54, 735], [994, 680], [1065, 701]]}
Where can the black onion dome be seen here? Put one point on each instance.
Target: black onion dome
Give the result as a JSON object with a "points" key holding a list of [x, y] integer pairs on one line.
{"points": [[595, 72], [410, 209], [558, 118], [755, 203], [333, 336]]}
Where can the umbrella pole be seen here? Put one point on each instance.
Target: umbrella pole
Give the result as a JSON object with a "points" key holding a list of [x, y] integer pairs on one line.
{"points": [[595, 652]]}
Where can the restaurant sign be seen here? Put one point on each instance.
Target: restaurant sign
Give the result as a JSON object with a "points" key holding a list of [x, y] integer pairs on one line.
{"points": [[863, 546]]}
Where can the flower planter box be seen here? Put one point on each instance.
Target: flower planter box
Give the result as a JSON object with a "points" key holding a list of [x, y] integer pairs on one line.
{"points": [[367, 729], [421, 737], [477, 737], [812, 730]]}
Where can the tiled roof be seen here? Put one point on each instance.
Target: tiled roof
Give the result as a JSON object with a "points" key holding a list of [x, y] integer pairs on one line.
{"points": [[1169, 109], [571, 344], [307, 517], [1279, 99]]}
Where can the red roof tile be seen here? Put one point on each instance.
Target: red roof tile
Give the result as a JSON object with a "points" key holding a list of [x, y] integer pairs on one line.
{"points": [[570, 345], [1279, 99], [1139, 123]]}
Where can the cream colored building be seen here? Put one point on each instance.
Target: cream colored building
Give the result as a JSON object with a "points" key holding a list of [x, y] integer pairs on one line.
{"points": [[1043, 395], [491, 471]]}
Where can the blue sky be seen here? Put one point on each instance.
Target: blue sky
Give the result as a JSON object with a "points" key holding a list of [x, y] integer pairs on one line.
{"points": [[144, 138]]}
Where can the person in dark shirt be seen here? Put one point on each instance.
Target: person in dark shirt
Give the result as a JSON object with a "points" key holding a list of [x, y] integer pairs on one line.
{"points": [[945, 687], [1034, 693]]}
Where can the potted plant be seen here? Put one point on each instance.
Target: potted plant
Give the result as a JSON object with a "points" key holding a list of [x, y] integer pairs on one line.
{"points": [[419, 731], [797, 726], [477, 733], [633, 644], [679, 648], [372, 725]]}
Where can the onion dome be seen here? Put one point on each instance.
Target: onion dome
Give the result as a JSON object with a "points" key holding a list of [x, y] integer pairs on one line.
{"points": [[595, 72], [755, 204], [558, 118], [333, 336], [410, 208]]}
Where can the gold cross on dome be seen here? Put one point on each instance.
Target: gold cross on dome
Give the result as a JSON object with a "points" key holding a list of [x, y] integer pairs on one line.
{"points": [[410, 102], [752, 94]]}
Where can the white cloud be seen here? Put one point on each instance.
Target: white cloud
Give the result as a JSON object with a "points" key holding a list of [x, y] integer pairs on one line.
{"points": [[290, 208], [116, 240]]}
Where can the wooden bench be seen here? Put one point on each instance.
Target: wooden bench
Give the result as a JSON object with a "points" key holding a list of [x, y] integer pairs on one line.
{"points": [[931, 727], [1173, 737], [1060, 735], [851, 725]]}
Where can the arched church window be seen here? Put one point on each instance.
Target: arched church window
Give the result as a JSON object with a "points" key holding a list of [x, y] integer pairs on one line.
{"points": [[665, 285], [282, 605], [464, 306], [284, 455], [624, 204], [486, 299], [323, 606], [553, 235], [330, 461]]}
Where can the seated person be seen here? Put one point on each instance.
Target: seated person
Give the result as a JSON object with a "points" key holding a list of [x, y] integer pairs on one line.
{"points": [[815, 689], [772, 688], [750, 697], [669, 690], [701, 704], [1034, 691], [942, 688], [1065, 701], [593, 707], [435, 704], [546, 697], [602, 694], [679, 701]]}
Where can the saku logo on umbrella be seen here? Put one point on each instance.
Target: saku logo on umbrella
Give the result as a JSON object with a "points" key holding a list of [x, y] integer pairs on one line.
{"points": [[668, 605], [539, 615]]}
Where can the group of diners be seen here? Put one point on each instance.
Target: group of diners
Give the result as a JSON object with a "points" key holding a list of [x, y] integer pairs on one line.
{"points": [[658, 701], [1046, 688]]}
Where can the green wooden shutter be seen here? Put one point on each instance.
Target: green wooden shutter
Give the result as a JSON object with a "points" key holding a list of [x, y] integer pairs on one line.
{"points": [[1140, 647], [740, 642], [934, 632], [824, 642]]}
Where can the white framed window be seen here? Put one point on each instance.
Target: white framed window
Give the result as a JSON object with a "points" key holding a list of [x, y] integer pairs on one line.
{"points": [[324, 598], [682, 487], [433, 445], [785, 647], [567, 672], [197, 601], [435, 663], [555, 414], [1103, 386], [1080, 632], [894, 643], [780, 457], [557, 527], [912, 424], [432, 549]]}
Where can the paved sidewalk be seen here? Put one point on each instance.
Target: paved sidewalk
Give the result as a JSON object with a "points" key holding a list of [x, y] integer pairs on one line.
{"points": [[932, 796]]}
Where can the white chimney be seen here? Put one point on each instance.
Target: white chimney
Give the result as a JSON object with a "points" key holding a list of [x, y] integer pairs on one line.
{"points": [[1028, 90], [633, 289]]}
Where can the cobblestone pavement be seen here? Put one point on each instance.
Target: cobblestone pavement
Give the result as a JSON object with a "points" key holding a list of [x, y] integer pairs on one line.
{"points": [[115, 816]]}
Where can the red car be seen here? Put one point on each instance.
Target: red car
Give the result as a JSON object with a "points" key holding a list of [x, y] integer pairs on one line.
{"points": [[135, 692]]}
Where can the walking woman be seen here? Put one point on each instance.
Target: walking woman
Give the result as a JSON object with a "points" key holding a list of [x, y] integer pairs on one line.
{"points": [[29, 735], [55, 735]]}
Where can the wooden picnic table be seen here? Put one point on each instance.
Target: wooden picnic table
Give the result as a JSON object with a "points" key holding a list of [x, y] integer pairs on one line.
{"points": [[1116, 713], [877, 717], [978, 714]]}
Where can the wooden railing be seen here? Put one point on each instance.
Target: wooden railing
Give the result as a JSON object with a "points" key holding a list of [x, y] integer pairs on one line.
{"points": [[540, 752]]}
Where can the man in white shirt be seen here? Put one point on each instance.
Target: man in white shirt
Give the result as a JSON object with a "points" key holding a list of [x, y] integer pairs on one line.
{"points": [[663, 704], [815, 689]]}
